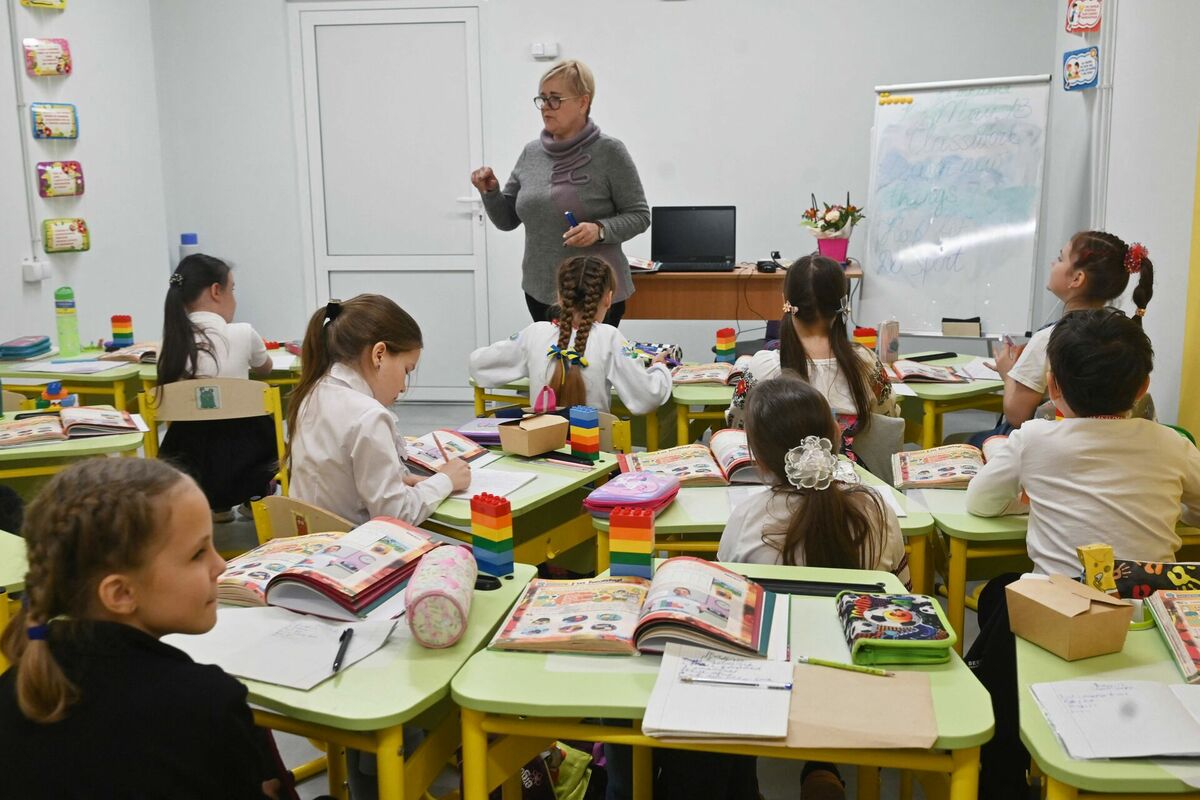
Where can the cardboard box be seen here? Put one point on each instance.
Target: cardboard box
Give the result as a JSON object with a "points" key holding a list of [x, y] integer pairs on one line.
{"points": [[1067, 618], [534, 435]]}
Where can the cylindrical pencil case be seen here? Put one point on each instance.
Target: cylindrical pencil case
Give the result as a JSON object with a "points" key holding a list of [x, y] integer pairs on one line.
{"points": [[437, 601]]}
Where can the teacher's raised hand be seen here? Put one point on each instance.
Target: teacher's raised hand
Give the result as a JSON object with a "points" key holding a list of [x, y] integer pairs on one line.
{"points": [[485, 180]]}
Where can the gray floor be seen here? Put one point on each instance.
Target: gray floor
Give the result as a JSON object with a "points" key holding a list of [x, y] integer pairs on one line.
{"points": [[778, 779]]}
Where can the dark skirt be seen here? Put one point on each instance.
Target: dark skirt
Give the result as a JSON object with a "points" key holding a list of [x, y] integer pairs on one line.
{"points": [[233, 460]]}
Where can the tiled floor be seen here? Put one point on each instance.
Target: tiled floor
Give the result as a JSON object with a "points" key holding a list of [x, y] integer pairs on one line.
{"points": [[778, 779]]}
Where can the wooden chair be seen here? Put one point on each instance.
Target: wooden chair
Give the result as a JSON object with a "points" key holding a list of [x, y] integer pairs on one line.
{"points": [[205, 399], [13, 401], [277, 516]]}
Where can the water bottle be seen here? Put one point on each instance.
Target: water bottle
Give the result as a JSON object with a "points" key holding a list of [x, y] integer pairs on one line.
{"points": [[189, 244], [67, 321]]}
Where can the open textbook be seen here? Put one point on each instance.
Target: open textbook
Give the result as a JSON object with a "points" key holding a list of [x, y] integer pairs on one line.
{"points": [[74, 422], [726, 459], [949, 467], [690, 601], [716, 372]]}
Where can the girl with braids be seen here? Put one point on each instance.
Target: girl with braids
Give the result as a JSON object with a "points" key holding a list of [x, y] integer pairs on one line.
{"points": [[581, 358], [814, 343], [120, 554], [346, 454], [1092, 271], [233, 460]]}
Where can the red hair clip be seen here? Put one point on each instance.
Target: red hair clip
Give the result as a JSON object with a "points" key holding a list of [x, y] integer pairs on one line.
{"points": [[1133, 257]]}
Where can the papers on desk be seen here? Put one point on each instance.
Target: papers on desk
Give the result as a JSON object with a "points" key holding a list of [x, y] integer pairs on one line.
{"points": [[274, 645], [701, 693], [977, 370], [903, 390], [282, 360], [935, 501], [1122, 719], [888, 497], [499, 482], [70, 367]]}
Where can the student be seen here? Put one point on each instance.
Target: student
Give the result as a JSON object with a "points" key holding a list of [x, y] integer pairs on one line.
{"points": [[120, 554], [1090, 272], [233, 460], [1097, 475], [580, 358], [346, 454], [814, 343]]}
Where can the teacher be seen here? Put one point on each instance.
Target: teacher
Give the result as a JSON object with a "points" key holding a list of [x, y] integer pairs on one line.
{"points": [[572, 167]]}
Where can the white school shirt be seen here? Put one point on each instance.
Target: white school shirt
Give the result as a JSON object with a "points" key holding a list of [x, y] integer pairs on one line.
{"points": [[825, 376], [1110, 481], [611, 364], [348, 457], [1033, 363], [236, 347], [771, 511]]}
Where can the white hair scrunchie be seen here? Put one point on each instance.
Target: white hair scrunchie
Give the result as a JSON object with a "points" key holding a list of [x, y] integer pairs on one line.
{"points": [[812, 465]]}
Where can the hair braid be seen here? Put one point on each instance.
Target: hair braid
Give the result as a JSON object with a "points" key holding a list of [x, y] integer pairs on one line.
{"points": [[582, 283]]}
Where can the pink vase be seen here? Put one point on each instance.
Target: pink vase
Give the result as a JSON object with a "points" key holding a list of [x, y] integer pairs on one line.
{"points": [[833, 248]]}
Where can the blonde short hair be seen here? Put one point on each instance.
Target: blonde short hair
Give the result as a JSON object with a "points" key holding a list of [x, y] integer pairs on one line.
{"points": [[576, 74]]}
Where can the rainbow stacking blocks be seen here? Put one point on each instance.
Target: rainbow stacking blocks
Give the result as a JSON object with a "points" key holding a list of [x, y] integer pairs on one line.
{"points": [[122, 328], [585, 432], [492, 534], [631, 542], [726, 348]]}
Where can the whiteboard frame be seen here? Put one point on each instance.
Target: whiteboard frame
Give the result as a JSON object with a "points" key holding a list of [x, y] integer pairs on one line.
{"points": [[967, 83]]}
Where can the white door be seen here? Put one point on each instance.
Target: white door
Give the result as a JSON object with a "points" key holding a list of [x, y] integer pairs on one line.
{"points": [[389, 128]]}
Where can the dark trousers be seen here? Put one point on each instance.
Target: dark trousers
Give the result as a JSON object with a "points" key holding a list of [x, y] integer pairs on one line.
{"points": [[542, 312]]}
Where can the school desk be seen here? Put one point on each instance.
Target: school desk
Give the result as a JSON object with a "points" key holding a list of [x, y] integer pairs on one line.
{"points": [[148, 374], [367, 706], [514, 704], [1145, 657], [111, 383], [938, 399], [48, 458], [13, 565], [548, 516], [693, 523]]}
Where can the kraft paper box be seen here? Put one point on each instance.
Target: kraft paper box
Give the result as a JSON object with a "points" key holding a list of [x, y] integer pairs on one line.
{"points": [[533, 436], [1068, 618]]}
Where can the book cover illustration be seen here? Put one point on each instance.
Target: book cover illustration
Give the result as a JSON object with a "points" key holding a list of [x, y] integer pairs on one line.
{"points": [[895, 617]]}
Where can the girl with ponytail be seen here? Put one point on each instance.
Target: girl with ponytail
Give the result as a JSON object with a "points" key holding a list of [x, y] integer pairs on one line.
{"points": [[233, 460], [581, 358], [346, 454], [120, 554]]}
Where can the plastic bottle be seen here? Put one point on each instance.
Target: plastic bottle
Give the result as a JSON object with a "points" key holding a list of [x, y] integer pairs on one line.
{"points": [[67, 321], [189, 244]]}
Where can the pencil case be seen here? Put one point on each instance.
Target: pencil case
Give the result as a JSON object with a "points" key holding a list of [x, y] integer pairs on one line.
{"points": [[894, 628], [437, 601]]}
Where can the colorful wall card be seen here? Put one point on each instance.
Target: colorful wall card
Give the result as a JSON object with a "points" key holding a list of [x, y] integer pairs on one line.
{"points": [[54, 121], [65, 235], [47, 57], [60, 178], [57, 5], [1083, 16], [1081, 69]]}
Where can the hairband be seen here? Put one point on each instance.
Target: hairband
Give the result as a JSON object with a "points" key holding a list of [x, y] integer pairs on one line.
{"points": [[177, 279], [812, 465], [788, 308], [1141, 312], [38, 633], [567, 355], [332, 309], [1133, 257]]}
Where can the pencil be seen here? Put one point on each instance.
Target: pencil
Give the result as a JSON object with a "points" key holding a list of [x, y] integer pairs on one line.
{"points": [[820, 662], [441, 449]]}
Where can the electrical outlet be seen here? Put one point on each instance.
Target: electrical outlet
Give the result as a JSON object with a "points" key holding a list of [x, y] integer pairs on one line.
{"points": [[34, 270]]}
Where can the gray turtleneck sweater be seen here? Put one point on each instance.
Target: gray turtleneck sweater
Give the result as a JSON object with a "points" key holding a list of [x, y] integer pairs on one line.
{"points": [[591, 176]]}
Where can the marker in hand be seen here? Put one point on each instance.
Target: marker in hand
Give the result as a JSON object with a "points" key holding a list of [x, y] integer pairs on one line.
{"points": [[571, 221]]}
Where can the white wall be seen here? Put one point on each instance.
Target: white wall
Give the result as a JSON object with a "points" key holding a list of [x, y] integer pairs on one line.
{"points": [[1151, 184], [113, 87]]}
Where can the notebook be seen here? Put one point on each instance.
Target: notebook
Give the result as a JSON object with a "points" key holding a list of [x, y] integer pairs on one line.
{"points": [[895, 628]]}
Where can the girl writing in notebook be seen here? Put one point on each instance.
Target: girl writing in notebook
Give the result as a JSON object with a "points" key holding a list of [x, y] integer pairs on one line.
{"points": [[346, 454], [233, 460], [814, 512], [581, 358], [120, 554], [813, 342], [1091, 271]]}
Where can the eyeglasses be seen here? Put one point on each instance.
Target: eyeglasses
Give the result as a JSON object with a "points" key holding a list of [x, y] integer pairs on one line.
{"points": [[554, 101]]}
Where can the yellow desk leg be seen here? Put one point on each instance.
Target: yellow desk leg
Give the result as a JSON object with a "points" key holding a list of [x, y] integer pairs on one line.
{"points": [[964, 776], [119, 395], [652, 431], [643, 773], [906, 784], [918, 560], [480, 404], [1059, 791], [956, 588], [929, 424], [602, 559], [868, 783], [474, 755], [389, 757], [683, 417], [335, 759]]}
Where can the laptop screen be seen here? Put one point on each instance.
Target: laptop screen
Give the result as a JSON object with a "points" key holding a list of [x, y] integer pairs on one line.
{"points": [[693, 233]]}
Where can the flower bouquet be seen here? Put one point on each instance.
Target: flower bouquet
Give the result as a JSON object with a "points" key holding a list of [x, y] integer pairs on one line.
{"points": [[832, 226]]}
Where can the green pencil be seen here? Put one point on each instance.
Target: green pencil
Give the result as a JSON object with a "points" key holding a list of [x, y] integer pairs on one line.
{"points": [[820, 662]]}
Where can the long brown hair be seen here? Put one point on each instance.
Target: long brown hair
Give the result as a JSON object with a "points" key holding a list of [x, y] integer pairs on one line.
{"points": [[1102, 256], [582, 284], [340, 332], [815, 287], [95, 518], [835, 527]]}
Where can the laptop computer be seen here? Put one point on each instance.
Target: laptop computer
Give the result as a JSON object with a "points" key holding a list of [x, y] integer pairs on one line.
{"points": [[693, 238]]}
